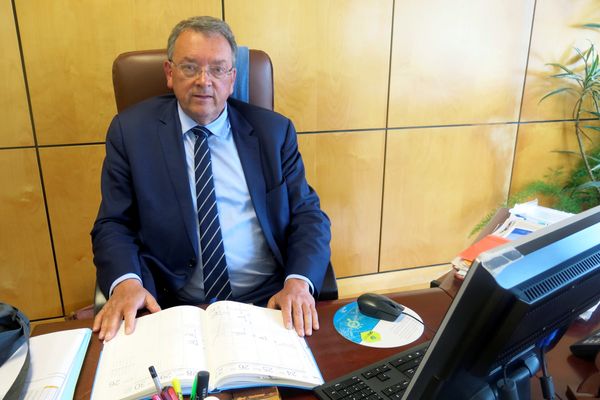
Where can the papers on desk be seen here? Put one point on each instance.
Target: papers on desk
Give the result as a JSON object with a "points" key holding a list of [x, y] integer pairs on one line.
{"points": [[56, 360], [522, 220]]}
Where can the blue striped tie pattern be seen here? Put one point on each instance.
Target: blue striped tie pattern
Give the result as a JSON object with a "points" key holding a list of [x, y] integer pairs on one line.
{"points": [[214, 265]]}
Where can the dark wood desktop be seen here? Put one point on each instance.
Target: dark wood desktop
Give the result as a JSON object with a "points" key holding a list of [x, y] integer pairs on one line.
{"points": [[337, 356]]}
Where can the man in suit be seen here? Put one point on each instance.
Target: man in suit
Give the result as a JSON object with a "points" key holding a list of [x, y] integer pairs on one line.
{"points": [[150, 233]]}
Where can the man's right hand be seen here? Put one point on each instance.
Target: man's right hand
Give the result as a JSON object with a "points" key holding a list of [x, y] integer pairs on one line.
{"points": [[127, 298]]}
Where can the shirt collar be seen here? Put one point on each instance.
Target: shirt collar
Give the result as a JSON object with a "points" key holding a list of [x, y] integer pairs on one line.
{"points": [[219, 127]]}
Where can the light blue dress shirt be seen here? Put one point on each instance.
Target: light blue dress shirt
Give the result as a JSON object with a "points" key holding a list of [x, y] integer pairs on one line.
{"points": [[249, 260]]}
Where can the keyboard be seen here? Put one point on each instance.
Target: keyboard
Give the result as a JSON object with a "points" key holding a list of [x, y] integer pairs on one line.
{"points": [[384, 380]]}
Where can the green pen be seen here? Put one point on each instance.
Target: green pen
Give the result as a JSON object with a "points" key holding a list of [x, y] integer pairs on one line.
{"points": [[194, 386]]}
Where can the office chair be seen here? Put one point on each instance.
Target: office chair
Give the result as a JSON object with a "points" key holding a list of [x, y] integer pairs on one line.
{"points": [[139, 75]]}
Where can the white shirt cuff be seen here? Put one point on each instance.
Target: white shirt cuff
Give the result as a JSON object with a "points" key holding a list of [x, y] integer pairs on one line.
{"points": [[305, 279], [121, 279]]}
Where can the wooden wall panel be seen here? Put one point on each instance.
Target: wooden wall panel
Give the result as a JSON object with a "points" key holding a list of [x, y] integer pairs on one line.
{"points": [[439, 183], [346, 170], [458, 62], [26, 265], [556, 31], [69, 47], [72, 181], [14, 111], [537, 152], [330, 57]]}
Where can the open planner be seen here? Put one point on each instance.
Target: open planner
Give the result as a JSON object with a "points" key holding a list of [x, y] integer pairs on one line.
{"points": [[239, 344]]}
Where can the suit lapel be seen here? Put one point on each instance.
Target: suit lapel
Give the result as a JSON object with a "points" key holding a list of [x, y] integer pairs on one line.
{"points": [[171, 140], [248, 148]]}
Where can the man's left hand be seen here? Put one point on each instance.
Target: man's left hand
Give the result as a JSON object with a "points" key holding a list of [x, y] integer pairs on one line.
{"points": [[297, 306]]}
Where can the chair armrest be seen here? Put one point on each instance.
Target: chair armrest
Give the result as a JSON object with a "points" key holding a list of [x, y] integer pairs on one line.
{"points": [[99, 299], [329, 290]]}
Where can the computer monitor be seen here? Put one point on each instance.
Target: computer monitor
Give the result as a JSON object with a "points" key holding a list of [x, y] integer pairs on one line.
{"points": [[516, 300]]}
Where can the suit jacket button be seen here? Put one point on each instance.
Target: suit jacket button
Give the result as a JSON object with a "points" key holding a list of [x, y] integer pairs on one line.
{"points": [[192, 263]]}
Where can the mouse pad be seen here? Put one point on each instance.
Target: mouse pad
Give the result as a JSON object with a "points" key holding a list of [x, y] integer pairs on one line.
{"points": [[373, 332]]}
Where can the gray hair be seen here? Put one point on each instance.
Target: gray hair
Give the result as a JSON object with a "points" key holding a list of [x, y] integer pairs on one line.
{"points": [[205, 25]]}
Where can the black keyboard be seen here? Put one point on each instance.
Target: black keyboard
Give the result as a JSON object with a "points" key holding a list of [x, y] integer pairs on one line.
{"points": [[383, 380]]}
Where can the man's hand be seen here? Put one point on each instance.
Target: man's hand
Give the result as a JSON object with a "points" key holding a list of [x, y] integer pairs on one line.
{"points": [[297, 306], [127, 297]]}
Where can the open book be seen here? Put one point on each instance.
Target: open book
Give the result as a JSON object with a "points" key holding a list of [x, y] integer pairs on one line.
{"points": [[239, 344]]}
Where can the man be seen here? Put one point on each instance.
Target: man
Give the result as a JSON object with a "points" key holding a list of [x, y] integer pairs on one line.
{"points": [[171, 232]]}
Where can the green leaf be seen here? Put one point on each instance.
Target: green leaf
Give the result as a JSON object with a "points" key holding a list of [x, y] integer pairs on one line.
{"points": [[587, 185], [567, 70], [594, 25], [596, 128], [552, 93], [569, 152], [595, 113]]}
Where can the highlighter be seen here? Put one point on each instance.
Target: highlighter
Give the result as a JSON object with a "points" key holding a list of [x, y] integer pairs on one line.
{"points": [[177, 387], [194, 388], [168, 393]]}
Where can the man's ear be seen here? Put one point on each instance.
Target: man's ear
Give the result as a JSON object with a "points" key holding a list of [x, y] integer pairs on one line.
{"points": [[168, 73], [233, 76]]}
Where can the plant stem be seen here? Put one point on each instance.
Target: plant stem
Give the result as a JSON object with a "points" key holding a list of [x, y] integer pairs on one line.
{"points": [[579, 133]]}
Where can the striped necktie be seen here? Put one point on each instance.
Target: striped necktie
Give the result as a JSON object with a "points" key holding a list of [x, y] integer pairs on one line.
{"points": [[214, 265]]}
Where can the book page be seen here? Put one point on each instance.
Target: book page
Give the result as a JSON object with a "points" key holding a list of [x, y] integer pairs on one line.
{"points": [[54, 361], [249, 344], [170, 340]]}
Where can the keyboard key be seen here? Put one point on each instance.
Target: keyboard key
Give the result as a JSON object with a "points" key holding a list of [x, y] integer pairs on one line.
{"points": [[383, 377]]}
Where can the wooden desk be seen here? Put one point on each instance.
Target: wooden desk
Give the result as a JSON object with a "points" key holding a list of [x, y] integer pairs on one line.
{"points": [[337, 356]]}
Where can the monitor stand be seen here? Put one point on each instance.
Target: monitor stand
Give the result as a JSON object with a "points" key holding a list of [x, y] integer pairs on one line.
{"points": [[518, 378]]}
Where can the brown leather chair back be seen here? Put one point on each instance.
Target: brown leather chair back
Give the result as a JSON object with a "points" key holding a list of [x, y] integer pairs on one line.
{"points": [[138, 75]]}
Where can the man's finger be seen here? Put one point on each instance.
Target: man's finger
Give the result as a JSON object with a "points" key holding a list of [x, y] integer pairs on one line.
{"points": [[315, 317], [286, 312], [129, 317], [98, 321], [308, 320], [298, 320], [152, 304], [108, 323]]}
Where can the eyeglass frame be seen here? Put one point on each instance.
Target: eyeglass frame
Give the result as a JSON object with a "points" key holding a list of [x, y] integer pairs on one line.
{"points": [[198, 70]]}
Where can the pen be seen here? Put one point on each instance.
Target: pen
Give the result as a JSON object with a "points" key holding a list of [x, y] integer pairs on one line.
{"points": [[194, 387], [201, 385], [156, 397], [155, 379], [177, 387]]}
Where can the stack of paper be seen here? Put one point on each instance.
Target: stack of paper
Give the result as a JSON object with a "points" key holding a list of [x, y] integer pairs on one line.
{"points": [[56, 360], [522, 220]]}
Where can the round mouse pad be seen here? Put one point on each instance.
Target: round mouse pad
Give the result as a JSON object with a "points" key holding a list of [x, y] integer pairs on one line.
{"points": [[373, 332]]}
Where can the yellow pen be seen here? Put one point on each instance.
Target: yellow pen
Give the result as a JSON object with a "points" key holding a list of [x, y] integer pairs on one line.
{"points": [[177, 387]]}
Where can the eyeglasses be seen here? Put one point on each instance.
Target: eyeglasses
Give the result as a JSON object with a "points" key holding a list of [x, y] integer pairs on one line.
{"points": [[191, 70]]}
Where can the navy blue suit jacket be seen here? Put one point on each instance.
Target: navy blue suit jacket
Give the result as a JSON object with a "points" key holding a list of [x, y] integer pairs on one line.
{"points": [[145, 223]]}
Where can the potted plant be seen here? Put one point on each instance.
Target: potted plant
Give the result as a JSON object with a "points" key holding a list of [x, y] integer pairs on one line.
{"points": [[580, 77]]}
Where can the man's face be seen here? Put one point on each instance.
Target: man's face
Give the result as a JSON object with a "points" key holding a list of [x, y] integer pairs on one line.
{"points": [[202, 96]]}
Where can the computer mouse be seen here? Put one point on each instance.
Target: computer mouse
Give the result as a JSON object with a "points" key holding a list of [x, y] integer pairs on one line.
{"points": [[379, 306]]}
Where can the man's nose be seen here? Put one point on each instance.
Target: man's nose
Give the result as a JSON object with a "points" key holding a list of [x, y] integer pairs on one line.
{"points": [[203, 78]]}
